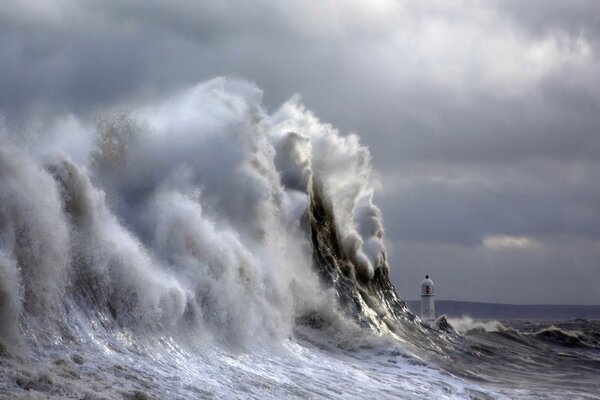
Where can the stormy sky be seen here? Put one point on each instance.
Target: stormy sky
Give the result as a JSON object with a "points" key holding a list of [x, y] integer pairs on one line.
{"points": [[482, 117]]}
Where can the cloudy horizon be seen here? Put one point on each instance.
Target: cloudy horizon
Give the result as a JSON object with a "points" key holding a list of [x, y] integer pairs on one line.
{"points": [[481, 116]]}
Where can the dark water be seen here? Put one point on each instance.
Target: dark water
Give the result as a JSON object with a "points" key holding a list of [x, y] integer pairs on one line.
{"points": [[553, 359]]}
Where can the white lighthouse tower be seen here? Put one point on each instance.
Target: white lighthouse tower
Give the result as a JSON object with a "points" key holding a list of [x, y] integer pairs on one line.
{"points": [[427, 300]]}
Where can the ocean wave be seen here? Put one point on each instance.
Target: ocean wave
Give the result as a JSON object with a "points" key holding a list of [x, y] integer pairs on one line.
{"points": [[467, 324], [199, 213], [558, 336]]}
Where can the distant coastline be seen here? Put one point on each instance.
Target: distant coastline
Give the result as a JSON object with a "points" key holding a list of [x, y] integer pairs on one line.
{"points": [[456, 309]]}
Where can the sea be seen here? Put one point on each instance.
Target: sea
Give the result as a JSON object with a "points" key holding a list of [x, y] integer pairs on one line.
{"points": [[198, 246]]}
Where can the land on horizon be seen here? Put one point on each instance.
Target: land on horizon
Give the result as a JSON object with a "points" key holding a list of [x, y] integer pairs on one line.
{"points": [[457, 309]]}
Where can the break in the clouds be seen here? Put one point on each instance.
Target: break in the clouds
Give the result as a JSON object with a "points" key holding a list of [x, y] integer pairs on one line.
{"points": [[482, 117]]}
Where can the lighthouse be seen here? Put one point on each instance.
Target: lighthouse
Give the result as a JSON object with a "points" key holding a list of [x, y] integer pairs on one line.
{"points": [[427, 299]]}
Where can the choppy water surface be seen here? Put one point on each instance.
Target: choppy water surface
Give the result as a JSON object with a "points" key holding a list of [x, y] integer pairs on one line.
{"points": [[543, 360]]}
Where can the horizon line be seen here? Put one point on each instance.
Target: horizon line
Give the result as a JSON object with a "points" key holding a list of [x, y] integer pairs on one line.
{"points": [[515, 305]]}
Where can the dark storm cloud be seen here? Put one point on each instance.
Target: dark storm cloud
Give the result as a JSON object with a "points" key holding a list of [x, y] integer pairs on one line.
{"points": [[63, 58], [563, 269], [465, 212], [482, 117], [81, 55], [498, 131]]}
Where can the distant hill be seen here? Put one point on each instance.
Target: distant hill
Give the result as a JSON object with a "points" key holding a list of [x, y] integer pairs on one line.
{"points": [[456, 309]]}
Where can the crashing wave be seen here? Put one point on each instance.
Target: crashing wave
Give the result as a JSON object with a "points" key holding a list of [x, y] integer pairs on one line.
{"points": [[199, 214]]}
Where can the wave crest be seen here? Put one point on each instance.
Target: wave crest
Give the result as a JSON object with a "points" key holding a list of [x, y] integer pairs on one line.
{"points": [[201, 214]]}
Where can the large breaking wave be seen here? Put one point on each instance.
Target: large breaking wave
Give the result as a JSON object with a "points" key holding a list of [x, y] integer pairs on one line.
{"points": [[200, 214]]}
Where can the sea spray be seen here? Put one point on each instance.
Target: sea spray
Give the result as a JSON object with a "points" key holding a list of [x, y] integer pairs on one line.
{"points": [[34, 244], [197, 212]]}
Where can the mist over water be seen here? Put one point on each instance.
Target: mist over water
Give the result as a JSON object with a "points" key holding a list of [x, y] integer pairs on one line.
{"points": [[198, 246]]}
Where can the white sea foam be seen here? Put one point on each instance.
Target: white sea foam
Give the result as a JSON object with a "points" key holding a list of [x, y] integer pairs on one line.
{"points": [[467, 324]]}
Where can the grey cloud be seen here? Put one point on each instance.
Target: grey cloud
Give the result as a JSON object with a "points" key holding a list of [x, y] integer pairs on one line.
{"points": [[425, 210], [84, 55], [542, 17], [563, 271], [481, 119]]}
